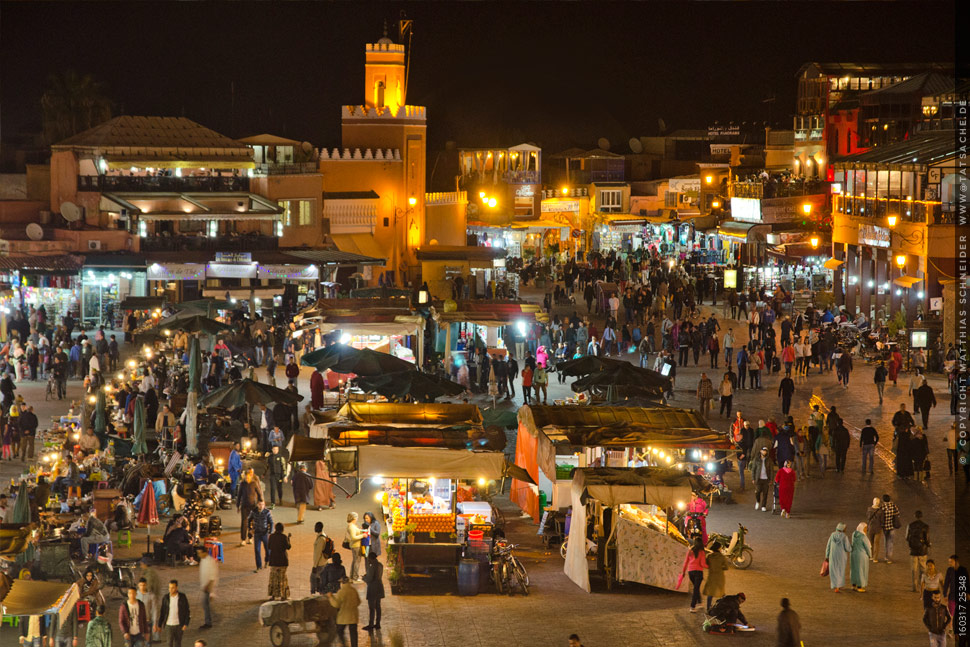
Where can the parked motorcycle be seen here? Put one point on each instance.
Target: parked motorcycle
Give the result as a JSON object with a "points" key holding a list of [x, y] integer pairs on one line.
{"points": [[733, 547]]}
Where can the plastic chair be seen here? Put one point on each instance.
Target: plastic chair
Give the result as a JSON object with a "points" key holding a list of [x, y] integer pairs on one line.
{"points": [[13, 621], [83, 609], [215, 550], [124, 538], [74, 492]]}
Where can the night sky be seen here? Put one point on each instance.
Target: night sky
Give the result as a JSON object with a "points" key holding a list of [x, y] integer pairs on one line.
{"points": [[557, 74]]}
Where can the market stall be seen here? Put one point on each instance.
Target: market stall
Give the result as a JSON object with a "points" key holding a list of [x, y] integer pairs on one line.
{"points": [[553, 440], [35, 600], [624, 512]]}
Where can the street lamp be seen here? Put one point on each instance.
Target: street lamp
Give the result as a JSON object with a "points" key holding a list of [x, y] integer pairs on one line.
{"points": [[807, 208], [715, 205], [893, 219], [412, 201], [709, 179], [900, 260], [491, 203], [815, 242], [565, 190], [422, 296]]}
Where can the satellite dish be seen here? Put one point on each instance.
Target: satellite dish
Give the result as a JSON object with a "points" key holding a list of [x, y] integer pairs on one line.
{"points": [[35, 231], [70, 211], [603, 143], [635, 145], [307, 147]]}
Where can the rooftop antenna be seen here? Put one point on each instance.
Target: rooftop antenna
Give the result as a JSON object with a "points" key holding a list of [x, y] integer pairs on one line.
{"points": [[405, 28]]}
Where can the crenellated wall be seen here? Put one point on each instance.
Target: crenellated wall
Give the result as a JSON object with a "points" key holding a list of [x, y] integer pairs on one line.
{"points": [[368, 154]]}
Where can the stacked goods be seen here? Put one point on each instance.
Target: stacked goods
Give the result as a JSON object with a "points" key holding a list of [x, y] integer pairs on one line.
{"points": [[443, 522]]}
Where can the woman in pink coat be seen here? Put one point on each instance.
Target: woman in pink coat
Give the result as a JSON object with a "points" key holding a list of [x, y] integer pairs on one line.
{"points": [[542, 357]]}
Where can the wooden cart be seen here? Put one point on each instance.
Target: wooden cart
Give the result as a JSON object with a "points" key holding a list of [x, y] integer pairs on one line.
{"points": [[313, 614]]}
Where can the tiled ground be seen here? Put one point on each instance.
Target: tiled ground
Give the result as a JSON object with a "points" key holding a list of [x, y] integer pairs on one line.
{"points": [[786, 562]]}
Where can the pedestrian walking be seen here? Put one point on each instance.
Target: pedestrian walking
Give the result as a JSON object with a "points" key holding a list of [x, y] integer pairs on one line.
{"points": [[352, 542], [936, 618], [98, 633], [278, 560], [952, 458], [147, 597], [868, 438], [174, 614], [346, 601], [717, 566], [527, 374], [953, 583], [694, 564], [785, 391], [302, 489], [374, 578], [880, 379], [874, 522], [837, 554], [208, 578], [726, 391], [277, 469], [249, 495], [541, 381], [133, 621], [785, 478], [840, 445], [859, 559], [930, 584], [923, 400], [762, 474], [918, 539], [789, 626], [262, 523], [322, 486], [843, 368], [919, 451], [705, 391], [890, 523]]}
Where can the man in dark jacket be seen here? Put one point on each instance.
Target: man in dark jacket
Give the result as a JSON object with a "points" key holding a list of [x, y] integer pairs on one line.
{"points": [[868, 438], [785, 390], [925, 400], [136, 631], [302, 487], [918, 539], [880, 379], [28, 431], [936, 618], [249, 494], [175, 621], [262, 520], [727, 610], [277, 469], [763, 474], [840, 445]]}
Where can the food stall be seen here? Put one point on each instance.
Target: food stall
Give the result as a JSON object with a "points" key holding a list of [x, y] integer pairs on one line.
{"points": [[35, 599], [624, 512], [553, 440]]}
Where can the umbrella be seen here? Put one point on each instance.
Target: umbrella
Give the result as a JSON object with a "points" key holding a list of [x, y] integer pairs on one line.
{"points": [[422, 387], [148, 513], [101, 418], [369, 362], [21, 508], [323, 358], [248, 392], [587, 364], [625, 375], [138, 434], [191, 321]]}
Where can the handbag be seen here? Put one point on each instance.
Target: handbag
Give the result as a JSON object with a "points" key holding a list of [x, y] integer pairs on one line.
{"points": [[345, 545], [825, 569]]}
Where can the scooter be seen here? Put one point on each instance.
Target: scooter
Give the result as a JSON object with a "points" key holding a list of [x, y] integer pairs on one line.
{"points": [[733, 547]]}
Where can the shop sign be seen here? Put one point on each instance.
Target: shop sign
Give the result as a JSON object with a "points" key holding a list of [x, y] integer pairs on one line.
{"points": [[720, 149], [730, 279], [231, 271], [746, 209], [723, 131], [936, 304], [525, 191], [234, 257], [560, 206], [875, 236], [294, 272], [175, 272], [691, 185], [775, 210]]}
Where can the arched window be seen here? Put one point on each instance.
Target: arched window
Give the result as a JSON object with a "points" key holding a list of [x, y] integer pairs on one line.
{"points": [[379, 95]]}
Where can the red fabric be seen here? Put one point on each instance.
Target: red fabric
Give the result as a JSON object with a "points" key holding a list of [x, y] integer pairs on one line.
{"points": [[526, 457], [785, 478]]}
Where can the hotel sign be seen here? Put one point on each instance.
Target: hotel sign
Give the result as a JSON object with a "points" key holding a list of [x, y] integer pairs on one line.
{"points": [[746, 209], [560, 206], [875, 236]]}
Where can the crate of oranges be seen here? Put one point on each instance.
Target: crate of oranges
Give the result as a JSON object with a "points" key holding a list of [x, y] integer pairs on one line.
{"points": [[443, 522]]}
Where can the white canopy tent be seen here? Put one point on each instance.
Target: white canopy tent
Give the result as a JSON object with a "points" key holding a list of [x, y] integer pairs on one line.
{"points": [[424, 462]]}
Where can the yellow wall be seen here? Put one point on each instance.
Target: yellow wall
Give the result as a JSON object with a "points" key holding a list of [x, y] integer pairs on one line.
{"points": [[384, 63], [433, 272], [295, 187], [446, 224]]}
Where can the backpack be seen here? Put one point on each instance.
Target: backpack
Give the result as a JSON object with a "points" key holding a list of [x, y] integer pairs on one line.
{"points": [[915, 539], [327, 547]]}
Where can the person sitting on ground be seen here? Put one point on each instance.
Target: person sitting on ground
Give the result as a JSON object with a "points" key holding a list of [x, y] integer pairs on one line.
{"points": [[178, 543], [332, 574], [727, 610]]}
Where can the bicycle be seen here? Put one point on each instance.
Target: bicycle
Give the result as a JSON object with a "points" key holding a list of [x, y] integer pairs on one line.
{"points": [[590, 547], [508, 572]]}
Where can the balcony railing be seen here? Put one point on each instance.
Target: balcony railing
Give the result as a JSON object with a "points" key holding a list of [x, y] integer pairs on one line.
{"points": [[881, 208], [767, 190], [617, 175], [808, 134], [183, 243], [521, 177], [168, 184]]}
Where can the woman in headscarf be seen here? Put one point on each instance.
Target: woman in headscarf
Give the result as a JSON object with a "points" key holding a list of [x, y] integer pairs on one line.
{"points": [[762, 438], [859, 559], [717, 565], [837, 553], [904, 454], [785, 478], [895, 365], [874, 517]]}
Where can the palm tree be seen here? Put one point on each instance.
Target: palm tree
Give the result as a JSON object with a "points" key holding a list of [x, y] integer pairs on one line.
{"points": [[71, 104]]}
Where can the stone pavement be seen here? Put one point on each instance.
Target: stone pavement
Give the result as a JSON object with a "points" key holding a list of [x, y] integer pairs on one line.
{"points": [[787, 557]]}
